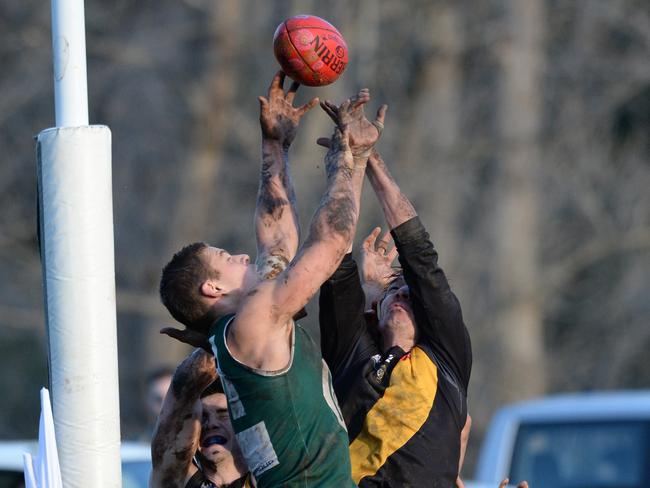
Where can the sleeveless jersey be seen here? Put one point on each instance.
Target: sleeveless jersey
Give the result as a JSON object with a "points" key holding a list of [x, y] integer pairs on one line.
{"points": [[288, 423]]}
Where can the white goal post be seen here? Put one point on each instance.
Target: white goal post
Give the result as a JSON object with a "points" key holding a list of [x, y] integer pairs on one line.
{"points": [[76, 237]]}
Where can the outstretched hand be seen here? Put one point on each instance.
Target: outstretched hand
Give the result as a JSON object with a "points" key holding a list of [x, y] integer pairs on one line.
{"points": [[188, 336], [363, 133], [377, 258], [279, 119], [376, 269]]}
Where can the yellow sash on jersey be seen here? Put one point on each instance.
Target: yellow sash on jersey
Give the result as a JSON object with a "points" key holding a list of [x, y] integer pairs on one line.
{"points": [[396, 416]]}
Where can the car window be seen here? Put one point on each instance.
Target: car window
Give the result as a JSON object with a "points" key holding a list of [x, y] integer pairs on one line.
{"points": [[582, 454]]}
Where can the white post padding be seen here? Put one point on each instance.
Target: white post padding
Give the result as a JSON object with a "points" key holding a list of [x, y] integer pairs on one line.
{"points": [[69, 50], [76, 230]]}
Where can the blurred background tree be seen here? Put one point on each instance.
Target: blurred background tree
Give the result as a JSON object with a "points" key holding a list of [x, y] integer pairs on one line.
{"points": [[521, 130]]}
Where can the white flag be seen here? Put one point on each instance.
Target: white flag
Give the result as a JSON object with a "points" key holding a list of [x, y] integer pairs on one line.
{"points": [[44, 471], [30, 477]]}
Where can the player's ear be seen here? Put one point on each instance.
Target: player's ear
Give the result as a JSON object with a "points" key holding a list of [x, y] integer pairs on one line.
{"points": [[210, 289]]}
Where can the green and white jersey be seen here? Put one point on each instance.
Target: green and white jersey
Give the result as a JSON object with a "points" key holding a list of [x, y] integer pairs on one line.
{"points": [[287, 422]]}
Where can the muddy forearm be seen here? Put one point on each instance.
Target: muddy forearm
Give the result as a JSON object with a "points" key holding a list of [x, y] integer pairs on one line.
{"points": [[177, 431], [396, 206], [276, 219], [338, 212]]}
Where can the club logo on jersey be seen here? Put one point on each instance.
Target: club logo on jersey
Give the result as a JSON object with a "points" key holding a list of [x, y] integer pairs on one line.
{"points": [[380, 371], [257, 448]]}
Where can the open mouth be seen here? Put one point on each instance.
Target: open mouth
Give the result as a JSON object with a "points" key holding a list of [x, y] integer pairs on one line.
{"points": [[211, 440]]}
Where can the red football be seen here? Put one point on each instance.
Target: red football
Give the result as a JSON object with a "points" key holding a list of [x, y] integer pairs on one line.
{"points": [[310, 50]]}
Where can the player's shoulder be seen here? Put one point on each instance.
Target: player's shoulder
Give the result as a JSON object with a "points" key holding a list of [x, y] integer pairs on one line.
{"points": [[258, 305]]}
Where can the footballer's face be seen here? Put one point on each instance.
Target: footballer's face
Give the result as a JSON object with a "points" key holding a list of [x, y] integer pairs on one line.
{"points": [[232, 269], [218, 443], [395, 310]]}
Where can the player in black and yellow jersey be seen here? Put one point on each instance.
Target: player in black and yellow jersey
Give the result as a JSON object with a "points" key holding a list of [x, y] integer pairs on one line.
{"points": [[401, 382]]}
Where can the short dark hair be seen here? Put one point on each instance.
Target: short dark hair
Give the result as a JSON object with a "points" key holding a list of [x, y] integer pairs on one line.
{"points": [[180, 284], [396, 273], [213, 388]]}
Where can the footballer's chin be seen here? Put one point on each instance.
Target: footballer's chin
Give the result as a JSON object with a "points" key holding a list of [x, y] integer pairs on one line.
{"points": [[214, 445]]}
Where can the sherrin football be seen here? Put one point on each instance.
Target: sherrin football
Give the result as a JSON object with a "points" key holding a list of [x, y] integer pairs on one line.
{"points": [[310, 50]]}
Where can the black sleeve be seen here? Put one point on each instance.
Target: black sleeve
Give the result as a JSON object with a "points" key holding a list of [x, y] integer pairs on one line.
{"points": [[342, 322], [436, 308], [196, 481]]}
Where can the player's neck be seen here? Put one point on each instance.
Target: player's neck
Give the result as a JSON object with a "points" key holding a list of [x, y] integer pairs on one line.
{"points": [[232, 298], [392, 338], [229, 303], [224, 473]]}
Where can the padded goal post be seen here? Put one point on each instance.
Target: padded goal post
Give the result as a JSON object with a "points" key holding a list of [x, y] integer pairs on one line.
{"points": [[77, 253]]}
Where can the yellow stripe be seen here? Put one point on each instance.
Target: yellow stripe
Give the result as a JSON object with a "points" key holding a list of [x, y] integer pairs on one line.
{"points": [[396, 416]]}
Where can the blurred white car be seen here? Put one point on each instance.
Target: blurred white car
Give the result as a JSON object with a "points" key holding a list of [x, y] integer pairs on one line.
{"points": [[581, 440], [476, 484], [136, 463]]}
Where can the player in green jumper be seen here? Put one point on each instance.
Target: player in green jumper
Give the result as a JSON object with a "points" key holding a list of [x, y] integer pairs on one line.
{"points": [[279, 390]]}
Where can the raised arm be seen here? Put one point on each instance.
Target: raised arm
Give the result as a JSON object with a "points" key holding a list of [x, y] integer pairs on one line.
{"points": [[178, 430], [437, 310], [341, 299], [333, 226], [260, 327], [276, 219], [396, 206], [330, 233]]}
